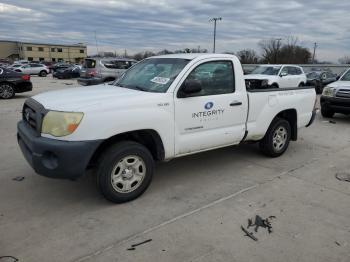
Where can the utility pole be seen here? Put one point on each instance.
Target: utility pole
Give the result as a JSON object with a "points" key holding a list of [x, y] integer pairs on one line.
{"points": [[278, 48], [313, 56], [211, 20], [96, 43]]}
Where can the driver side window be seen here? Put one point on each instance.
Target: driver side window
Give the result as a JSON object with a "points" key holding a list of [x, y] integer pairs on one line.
{"points": [[215, 78]]}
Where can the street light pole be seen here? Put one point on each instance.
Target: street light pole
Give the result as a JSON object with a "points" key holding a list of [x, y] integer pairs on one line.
{"points": [[211, 20], [278, 48], [313, 56]]}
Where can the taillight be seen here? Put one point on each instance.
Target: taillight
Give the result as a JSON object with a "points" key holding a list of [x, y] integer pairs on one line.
{"points": [[25, 77], [92, 73]]}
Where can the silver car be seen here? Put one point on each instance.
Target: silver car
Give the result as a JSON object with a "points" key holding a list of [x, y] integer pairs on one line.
{"points": [[99, 70], [33, 69]]}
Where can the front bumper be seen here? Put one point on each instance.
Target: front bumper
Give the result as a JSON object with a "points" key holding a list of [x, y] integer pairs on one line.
{"points": [[338, 105], [55, 158], [90, 81]]}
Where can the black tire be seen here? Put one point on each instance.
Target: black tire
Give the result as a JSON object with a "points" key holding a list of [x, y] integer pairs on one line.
{"points": [[268, 144], [274, 85], [7, 91], [301, 84], [43, 73], [109, 163], [326, 112]]}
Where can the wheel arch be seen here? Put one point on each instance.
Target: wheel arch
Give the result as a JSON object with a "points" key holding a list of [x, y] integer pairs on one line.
{"points": [[292, 117], [147, 137]]}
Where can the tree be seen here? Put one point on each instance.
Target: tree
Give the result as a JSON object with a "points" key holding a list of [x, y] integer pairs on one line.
{"points": [[142, 55], [344, 60], [273, 51], [270, 50], [248, 56], [164, 52]]}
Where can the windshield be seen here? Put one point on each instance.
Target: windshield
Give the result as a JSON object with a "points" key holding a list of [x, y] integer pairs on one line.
{"points": [[152, 75], [346, 76], [266, 70]]}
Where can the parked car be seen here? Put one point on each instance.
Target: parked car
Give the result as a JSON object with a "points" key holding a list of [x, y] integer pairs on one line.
{"points": [[13, 82], [60, 65], [34, 69], [319, 79], [67, 73], [14, 66], [96, 71], [279, 76], [336, 97], [162, 108], [22, 62]]}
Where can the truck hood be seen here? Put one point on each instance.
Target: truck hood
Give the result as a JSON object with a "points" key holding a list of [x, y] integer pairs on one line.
{"points": [[342, 84], [259, 77], [80, 98]]}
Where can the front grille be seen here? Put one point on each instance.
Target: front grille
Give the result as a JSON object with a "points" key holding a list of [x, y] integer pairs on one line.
{"points": [[343, 93], [33, 113]]}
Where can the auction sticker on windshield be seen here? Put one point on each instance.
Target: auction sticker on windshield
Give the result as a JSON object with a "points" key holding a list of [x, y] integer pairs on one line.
{"points": [[160, 80]]}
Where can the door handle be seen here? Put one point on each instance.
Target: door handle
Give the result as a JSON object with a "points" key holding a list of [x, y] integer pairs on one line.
{"points": [[236, 103]]}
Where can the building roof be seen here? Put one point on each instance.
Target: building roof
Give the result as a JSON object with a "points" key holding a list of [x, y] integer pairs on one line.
{"points": [[50, 44]]}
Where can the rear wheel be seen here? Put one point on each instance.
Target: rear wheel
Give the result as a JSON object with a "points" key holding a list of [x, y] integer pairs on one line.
{"points": [[6, 91], [276, 139], [125, 171], [326, 112], [43, 73], [301, 84]]}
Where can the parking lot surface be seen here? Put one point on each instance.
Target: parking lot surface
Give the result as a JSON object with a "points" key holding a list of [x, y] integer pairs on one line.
{"points": [[193, 210]]}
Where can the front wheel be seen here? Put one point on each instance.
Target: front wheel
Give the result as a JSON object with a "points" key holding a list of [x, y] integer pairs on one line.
{"points": [[276, 139], [6, 91], [125, 171]]}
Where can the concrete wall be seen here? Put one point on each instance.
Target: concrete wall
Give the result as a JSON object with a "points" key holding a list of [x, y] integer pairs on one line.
{"points": [[9, 50]]}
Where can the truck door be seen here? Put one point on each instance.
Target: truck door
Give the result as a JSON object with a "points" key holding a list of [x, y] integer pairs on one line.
{"points": [[213, 117]]}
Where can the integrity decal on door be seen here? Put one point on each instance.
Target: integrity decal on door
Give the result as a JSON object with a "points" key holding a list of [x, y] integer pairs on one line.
{"points": [[208, 112]]}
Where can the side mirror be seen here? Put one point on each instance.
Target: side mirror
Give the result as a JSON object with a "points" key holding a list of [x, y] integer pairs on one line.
{"points": [[190, 86], [337, 77], [283, 74]]}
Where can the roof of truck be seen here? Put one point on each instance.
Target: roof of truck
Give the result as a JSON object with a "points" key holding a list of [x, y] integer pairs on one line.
{"points": [[191, 56]]}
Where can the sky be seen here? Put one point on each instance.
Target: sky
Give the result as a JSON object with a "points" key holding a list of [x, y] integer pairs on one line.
{"points": [[139, 25]]}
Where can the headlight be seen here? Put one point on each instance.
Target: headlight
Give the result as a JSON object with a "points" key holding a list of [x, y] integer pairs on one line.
{"points": [[61, 123], [328, 91]]}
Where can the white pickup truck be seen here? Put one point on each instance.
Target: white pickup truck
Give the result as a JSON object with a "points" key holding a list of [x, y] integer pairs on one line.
{"points": [[161, 108]]}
